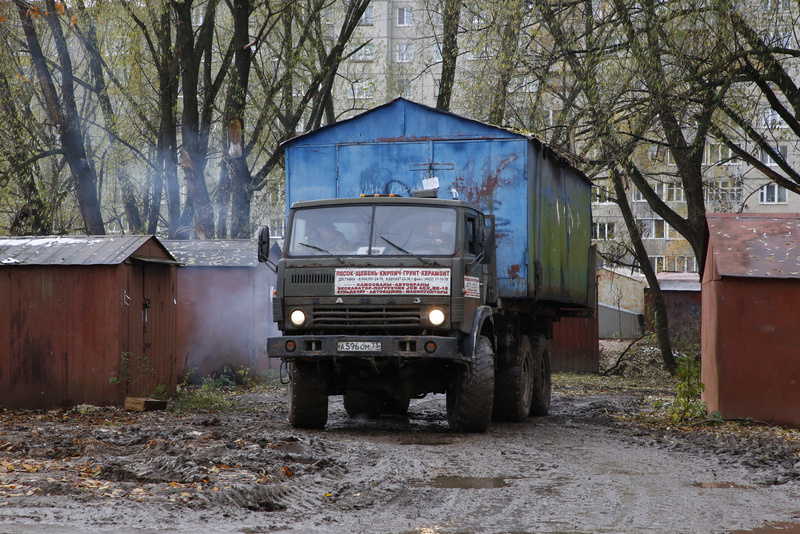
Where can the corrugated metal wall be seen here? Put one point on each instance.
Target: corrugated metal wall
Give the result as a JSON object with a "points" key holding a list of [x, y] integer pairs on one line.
{"points": [[67, 331], [618, 323], [576, 346]]}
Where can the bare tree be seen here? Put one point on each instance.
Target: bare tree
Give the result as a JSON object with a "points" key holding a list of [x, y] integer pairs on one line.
{"points": [[62, 108]]}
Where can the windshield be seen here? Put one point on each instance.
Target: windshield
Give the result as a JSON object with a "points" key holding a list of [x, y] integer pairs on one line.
{"points": [[373, 230]]}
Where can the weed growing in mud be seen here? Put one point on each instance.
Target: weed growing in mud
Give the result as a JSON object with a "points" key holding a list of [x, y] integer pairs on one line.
{"points": [[687, 403], [208, 396], [213, 393]]}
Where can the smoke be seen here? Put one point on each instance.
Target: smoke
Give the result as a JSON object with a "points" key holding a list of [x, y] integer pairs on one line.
{"points": [[225, 318]]}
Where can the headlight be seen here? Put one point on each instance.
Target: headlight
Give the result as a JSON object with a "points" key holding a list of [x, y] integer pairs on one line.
{"points": [[297, 317], [436, 317]]}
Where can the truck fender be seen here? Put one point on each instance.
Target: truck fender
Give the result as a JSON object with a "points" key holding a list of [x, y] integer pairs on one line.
{"points": [[482, 324]]}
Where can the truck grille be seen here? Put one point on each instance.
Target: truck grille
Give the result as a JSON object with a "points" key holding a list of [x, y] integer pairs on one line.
{"points": [[394, 317], [312, 278]]}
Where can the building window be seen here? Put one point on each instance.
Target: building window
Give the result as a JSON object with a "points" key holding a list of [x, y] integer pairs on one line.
{"points": [[674, 192], [654, 228], [657, 262], [601, 195], [437, 53], [530, 84], [405, 52], [772, 6], [772, 194], [437, 85], [680, 264], [723, 191], [603, 231], [772, 119], [659, 188], [276, 226], [405, 16], [720, 154], [367, 17], [767, 160], [365, 53], [362, 90], [780, 37], [405, 89]]}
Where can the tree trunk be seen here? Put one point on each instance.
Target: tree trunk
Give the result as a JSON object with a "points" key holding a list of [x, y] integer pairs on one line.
{"points": [[193, 134], [452, 12], [167, 144], [64, 114], [241, 185], [509, 36], [660, 311]]}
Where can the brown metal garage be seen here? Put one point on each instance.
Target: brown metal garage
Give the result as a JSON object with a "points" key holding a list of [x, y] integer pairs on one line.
{"points": [[750, 339], [85, 320]]}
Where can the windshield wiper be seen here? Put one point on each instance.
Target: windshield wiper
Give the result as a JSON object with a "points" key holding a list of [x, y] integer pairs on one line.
{"points": [[401, 249], [323, 250]]}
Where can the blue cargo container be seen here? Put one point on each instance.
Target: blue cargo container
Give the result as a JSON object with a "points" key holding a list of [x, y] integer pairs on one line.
{"points": [[541, 203]]}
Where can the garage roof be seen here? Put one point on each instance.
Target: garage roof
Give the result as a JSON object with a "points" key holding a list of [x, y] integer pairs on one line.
{"points": [[757, 245], [80, 250]]}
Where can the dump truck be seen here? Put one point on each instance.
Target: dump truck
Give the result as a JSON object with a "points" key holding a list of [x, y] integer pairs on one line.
{"points": [[426, 253]]}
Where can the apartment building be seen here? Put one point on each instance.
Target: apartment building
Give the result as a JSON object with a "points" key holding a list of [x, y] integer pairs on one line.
{"points": [[396, 52]]}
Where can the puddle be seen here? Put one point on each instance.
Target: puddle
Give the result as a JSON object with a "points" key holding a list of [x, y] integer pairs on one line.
{"points": [[722, 485], [465, 483], [782, 528]]}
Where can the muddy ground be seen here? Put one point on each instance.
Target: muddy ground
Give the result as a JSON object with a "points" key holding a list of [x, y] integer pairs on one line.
{"points": [[601, 462]]}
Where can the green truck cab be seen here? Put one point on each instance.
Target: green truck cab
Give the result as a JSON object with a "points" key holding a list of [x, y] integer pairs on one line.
{"points": [[384, 299]]}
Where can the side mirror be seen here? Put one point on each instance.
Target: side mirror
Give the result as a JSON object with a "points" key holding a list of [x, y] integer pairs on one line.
{"points": [[263, 244], [485, 244]]}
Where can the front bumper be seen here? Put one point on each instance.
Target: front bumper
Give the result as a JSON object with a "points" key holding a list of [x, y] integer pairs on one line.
{"points": [[391, 347]]}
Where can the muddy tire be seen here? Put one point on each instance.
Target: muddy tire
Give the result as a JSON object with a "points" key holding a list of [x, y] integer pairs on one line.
{"points": [[542, 381], [360, 405], [395, 406], [308, 396], [514, 383], [471, 392]]}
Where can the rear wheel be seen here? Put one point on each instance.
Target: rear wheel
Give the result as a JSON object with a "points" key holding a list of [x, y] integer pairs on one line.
{"points": [[470, 395], [514, 382], [308, 396], [542, 381]]}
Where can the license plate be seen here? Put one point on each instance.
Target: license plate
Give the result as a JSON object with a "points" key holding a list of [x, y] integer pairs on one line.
{"points": [[359, 346]]}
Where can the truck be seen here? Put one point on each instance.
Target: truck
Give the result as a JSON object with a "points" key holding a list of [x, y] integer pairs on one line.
{"points": [[426, 253]]}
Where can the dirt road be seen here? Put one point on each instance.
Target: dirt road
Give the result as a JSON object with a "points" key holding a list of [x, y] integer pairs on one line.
{"points": [[244, 470]]}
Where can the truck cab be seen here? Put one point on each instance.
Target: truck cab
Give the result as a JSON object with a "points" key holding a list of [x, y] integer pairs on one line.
{"points": [[383, 299]]}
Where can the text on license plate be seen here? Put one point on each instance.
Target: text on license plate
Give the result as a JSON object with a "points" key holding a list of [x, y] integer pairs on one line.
{"points": [[359, 346]]}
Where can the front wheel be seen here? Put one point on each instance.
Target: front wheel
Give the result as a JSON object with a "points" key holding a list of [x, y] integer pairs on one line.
{"points": [[542, 381], [471, 392], [308, 396]]}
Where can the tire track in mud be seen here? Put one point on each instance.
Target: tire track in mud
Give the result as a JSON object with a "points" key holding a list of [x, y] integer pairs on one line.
{"points": [[581, 469]]}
